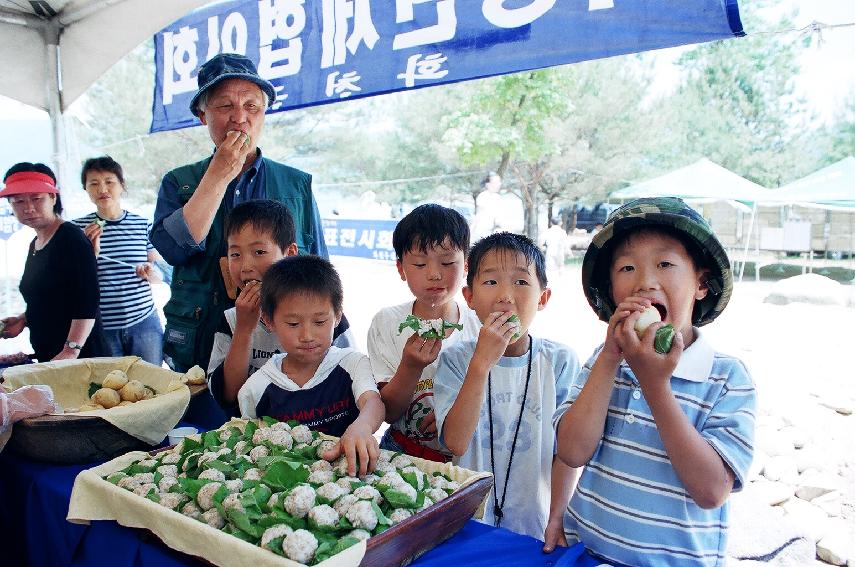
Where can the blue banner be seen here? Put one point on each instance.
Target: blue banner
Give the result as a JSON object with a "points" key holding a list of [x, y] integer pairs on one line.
{"points": [[363, 238], [323, 51], [9, 224]]}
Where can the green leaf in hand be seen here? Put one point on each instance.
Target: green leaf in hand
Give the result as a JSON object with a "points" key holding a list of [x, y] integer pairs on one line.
{"points": [[663, 339]]}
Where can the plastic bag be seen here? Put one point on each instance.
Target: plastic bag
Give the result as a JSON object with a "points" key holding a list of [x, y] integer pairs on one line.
{"points": [[26, 401]]}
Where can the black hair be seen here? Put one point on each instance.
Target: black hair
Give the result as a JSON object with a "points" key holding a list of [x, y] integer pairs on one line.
{"points": [[103, 163], [430, 225], [300, 274], [36, 168], [265, 216], [510, 242]]}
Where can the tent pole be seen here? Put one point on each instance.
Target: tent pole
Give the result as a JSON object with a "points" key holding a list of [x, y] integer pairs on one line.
{"points": [[747, 244], [54, 98]]}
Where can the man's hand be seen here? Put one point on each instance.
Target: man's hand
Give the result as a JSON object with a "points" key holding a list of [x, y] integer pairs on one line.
{"points": [[12, 326], [554, 535], [230, 156], [419, 353], [494, 337], [93, 232], [248, 306], [357, 443]]}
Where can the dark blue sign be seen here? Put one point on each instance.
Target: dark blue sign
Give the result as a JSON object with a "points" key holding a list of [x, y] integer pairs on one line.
{"points": [[363, 238], [323, 51]]}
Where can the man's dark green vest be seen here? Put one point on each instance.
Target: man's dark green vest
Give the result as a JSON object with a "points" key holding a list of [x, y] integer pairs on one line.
{"points": [[199, 296]]}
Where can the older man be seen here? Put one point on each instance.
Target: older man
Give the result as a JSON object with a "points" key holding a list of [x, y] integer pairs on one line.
{"points": [[194, 200]]}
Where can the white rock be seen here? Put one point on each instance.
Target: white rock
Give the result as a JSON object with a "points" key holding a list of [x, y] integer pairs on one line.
{"points": [[842, 406], [757, 465], [773, 443], [813, 483], [808, 288], [782, 469], [836, 547], [808, 517], [815, 458], [771, 493], [830, 503], [757, 530], [797, 436]]}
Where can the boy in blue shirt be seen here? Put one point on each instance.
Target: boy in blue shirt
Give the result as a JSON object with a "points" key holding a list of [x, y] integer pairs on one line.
{"points": [[494, 396], [664, 438]]}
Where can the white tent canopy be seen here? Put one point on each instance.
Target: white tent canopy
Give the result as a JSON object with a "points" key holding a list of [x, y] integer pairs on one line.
{"points": [[700, 181], [53, 50], [831, 187]]}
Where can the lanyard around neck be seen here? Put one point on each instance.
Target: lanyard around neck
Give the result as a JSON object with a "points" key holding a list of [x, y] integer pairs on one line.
{"points": [[497, 504]]}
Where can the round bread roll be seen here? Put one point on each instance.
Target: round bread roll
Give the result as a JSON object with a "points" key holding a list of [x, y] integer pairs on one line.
{"points": [[106, 397], [125, 403], [116, 379], [133, 391]]}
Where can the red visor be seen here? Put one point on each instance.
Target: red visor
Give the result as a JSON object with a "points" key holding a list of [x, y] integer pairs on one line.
{"points": [[28, 182]]}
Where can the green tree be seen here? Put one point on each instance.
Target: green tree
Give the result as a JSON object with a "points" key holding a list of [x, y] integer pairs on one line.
{"points": [[737, 105]]}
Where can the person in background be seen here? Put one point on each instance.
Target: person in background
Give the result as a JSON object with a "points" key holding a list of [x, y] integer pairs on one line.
{"points": [[60, 279], [488, 208], [125, 264], [194, 199], [555, 243]]}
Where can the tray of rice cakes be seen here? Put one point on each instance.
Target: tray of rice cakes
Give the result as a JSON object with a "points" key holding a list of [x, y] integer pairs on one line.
{"points": [[257, 492], [109, 406]]}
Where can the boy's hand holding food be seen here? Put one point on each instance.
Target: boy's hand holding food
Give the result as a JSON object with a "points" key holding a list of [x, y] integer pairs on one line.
{"points": [[248, 306], [418, 353], [495, 335], [652, 369]]}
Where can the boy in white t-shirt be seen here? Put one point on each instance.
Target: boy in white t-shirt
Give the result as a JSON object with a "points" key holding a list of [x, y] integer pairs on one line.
{"points": [[327, 388], [495, 396], [431, 244]]}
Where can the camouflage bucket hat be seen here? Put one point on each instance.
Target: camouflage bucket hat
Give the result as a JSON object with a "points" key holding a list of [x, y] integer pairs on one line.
{"points": [[672, 214]]}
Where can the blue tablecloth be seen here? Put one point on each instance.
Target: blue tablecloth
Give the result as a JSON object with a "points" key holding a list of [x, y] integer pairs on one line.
{"points": [[34, 502]]}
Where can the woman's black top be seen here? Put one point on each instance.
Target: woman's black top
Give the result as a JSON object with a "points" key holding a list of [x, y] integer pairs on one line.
{"points": [[60, 283]]}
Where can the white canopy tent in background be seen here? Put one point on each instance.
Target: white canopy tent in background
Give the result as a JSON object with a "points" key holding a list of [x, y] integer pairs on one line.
{"points": [[703, 182], [51, 51], [832, 187]]}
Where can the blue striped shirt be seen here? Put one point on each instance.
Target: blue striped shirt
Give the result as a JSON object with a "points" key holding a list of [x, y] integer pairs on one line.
{"points": [[630, 506], [125, 297]]}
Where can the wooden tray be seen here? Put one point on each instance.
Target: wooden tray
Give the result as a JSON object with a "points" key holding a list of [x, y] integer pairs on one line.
{"points": [[404, 542], [74, 438]]}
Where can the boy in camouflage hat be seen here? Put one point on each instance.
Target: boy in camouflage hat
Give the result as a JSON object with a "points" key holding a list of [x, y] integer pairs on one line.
{"points": [[664, 438]]}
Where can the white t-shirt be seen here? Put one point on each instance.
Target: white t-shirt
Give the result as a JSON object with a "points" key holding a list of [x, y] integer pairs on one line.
{"points": [[353, 362], [385, 347], [553, 369]]}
